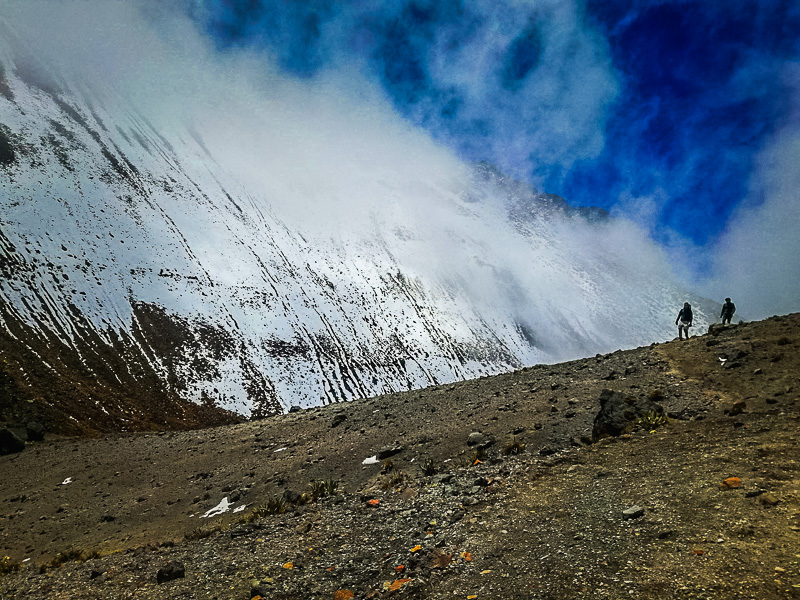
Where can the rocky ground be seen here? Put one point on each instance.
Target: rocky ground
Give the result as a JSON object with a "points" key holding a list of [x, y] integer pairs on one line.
{"points": [[490, 489]]}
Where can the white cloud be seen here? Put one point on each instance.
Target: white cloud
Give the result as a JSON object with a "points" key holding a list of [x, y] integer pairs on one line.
{"points": [[757, 260]]}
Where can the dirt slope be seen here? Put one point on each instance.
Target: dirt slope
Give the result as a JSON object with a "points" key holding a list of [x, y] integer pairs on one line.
{"points": [[547, 523]]}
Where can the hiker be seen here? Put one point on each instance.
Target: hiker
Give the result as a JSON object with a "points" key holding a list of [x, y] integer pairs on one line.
{"points": [[684, 320], [727, 311]]}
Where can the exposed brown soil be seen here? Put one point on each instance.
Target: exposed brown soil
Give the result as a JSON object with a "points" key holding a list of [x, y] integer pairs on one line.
{"points": [[547, 523], [82, 384]]}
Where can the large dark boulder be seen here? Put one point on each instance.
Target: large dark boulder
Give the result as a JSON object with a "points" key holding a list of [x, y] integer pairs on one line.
{"points": [[9, 442], [35, 431], [618, 414], [172, 570]]}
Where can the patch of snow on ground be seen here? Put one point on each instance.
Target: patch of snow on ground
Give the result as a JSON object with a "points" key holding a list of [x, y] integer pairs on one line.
{"points": [[223, 507]]}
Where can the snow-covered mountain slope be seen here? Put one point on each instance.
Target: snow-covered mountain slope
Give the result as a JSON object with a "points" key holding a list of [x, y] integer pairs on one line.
{"points": [[258, 251]]}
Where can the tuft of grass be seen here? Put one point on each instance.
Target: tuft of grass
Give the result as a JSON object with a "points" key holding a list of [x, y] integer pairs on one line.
{"points": [[205, 531], [513, 447], [656, 395], [275, 505], [68, 555], [9, 565], [387, 466], [320, 489], [393, 480], [652, 420], [428, 467]]}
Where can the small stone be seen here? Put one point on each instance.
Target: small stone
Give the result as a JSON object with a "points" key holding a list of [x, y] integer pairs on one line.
{"points": [[663, 535], [737, 408], [768, 499], [440, 478], [388, 451], [172, 570], [634, 512], [731, 483], [475, 438], [457, 515]]}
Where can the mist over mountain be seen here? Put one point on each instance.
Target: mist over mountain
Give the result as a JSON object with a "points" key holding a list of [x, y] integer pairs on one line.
{"points": [[176, 220]]}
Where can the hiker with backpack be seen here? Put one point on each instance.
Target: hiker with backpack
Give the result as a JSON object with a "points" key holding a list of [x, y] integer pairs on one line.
{"points": [[684, 320], [727, 311]]}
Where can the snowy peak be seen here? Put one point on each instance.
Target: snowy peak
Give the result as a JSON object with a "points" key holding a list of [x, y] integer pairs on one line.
{"points": [[229, 255]]}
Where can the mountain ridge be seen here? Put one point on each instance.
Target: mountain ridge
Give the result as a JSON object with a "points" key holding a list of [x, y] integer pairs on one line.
{"points": [[327, 282]]}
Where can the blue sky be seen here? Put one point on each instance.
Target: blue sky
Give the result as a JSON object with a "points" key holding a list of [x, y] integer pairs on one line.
{"points": [[603, 102]]}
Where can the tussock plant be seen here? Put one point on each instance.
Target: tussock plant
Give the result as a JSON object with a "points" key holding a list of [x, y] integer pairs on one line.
{"points": [[9, 565], [393, 480], [204, 531], [387, 466], [513, 447], [652, 420], [428, 467], [656, 395], [320, 489], [275, 505], [68, 555]]}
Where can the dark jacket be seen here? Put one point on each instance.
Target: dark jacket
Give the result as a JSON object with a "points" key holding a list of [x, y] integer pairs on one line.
{"points": [[728, 309], [684, 315]]}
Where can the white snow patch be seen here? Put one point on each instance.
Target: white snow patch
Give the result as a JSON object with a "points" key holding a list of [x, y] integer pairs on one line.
{"points": [[67, 481], [280, 449], [239, 508], [370, 460], [223, 507]]}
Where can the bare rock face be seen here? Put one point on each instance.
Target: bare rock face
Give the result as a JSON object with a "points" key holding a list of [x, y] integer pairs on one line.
{"points": [[618, 413]]}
